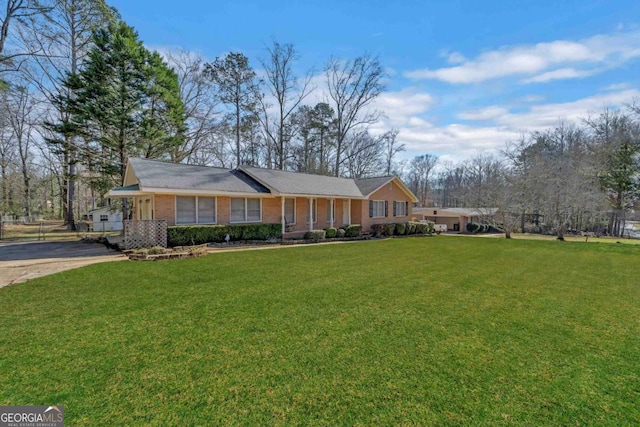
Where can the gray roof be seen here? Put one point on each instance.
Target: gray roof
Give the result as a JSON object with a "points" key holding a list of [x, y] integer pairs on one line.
{"points": [[157, 174], [133, 187], [304, 184], [459, 211], [369, 185]]}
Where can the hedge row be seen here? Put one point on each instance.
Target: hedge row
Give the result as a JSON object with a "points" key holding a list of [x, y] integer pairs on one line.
{"points": [[183, 235], [474, 227], [402, 228], [353, 230]]}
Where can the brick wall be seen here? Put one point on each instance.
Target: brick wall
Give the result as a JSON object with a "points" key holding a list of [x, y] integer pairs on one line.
{"points": [[390, 193], [165, 208]]}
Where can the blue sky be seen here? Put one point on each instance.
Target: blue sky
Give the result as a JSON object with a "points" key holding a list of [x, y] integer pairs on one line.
{"points": [[465, 77]]}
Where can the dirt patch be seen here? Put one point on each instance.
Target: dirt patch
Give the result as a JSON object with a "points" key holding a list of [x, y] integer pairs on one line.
{"points": [[20, 262]]}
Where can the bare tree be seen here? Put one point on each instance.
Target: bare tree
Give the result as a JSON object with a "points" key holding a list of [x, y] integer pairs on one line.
{"points": [[7, 150], [17, 11], [237, 87], [421, 171], [287, 91], [63, 36], [391, 148], [22, 119], [617, 137], [362, 154], [352, 85], [203, 142]]}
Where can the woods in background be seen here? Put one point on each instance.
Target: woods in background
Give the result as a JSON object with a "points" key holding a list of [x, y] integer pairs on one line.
{"points": [[80, 93]]}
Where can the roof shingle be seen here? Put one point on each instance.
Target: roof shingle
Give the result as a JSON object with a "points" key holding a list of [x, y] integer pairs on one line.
{"points": [[157, 174]]}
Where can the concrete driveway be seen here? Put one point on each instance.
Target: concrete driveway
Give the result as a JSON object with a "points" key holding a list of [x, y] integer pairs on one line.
{"points": [[20, 262]]}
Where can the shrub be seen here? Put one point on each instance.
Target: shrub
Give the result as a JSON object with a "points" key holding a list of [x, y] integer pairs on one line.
{"points": [[315, 235], [473, 227], [411, 227], [340, 232], [331, 232], [401, 228], [421, 228], [183, 235], [389, 229], [377, 229], [353, 230], [156, 250], [431, 227]]}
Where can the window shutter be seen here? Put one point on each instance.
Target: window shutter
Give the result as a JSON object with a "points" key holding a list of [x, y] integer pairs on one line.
{"points": [[395, 211], [370, 208], [386, 208], [406, 208]]}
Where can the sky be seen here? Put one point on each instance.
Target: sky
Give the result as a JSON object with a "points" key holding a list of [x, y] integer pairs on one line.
{"points": [[464, 77]]}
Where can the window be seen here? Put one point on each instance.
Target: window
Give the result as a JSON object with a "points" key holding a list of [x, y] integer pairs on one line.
{"points": [[377, 208], [246, 210], [104, 218], [185, 210], [329, 211], [206, 210], [195, 210], [400, 208], [290, 211]]}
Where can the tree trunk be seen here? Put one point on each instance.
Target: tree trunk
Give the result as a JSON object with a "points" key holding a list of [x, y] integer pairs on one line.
{"points": [[71, 196]]}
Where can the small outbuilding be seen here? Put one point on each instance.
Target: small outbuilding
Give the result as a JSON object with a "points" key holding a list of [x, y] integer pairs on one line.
{"points": [[453, 219], [107, 218]]}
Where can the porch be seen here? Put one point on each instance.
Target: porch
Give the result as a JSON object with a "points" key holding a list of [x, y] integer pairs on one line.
{"points": [[301, 214]]}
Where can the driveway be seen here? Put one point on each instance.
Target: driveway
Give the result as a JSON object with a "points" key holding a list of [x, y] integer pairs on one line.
{"points": [[20, 262]]}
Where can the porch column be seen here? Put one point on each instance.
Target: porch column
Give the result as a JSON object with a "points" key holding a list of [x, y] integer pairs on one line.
{"points": [[310, 213], [332, 201], [284, 224], [349, 212]]}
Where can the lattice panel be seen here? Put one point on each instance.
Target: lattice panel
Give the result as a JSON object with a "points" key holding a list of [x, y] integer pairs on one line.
{"points": [[145, 234]]}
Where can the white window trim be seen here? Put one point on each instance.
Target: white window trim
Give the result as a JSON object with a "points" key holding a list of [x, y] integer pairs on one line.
{"points": [[374, 210], [215, 207], [245, 211], [334, 211], [403, 204], [315, 208], [295, 210]]}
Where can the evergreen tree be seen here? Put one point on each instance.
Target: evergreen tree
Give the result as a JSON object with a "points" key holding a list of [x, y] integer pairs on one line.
{"points": [[124, 102]]}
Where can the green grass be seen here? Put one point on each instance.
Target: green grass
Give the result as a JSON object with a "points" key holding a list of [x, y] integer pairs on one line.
{"points": [[423, 331]]}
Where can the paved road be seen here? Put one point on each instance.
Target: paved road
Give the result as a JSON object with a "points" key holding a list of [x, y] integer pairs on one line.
{"points": [[20, 262]]}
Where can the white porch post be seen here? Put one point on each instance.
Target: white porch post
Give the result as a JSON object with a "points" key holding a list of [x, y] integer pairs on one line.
{"points": [[310, 213], [349, 212], [332, 201], [284, 223]]}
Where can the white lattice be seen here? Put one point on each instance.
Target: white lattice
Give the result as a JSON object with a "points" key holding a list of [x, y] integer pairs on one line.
{"points": [[145, 234]]}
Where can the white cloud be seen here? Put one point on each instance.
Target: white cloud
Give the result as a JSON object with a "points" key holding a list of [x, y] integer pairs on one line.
{"points": [[459, 141], [532, 98], [588, 56], [560, 74], [487, 113], [617, 87], [401, 106]]}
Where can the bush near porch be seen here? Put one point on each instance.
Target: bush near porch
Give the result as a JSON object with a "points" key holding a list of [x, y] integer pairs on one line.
{"points": [[403, 228], [182, 235]]}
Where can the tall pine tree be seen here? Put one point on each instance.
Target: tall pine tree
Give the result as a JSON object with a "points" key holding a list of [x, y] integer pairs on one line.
{"points": [[123, 102]]}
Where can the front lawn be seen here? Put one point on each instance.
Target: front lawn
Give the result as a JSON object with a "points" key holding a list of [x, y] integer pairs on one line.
{"points": [[419, 331]]}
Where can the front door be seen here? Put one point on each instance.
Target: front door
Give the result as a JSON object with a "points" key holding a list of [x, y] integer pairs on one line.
{"points": [[346, 212], [145, 211]]}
